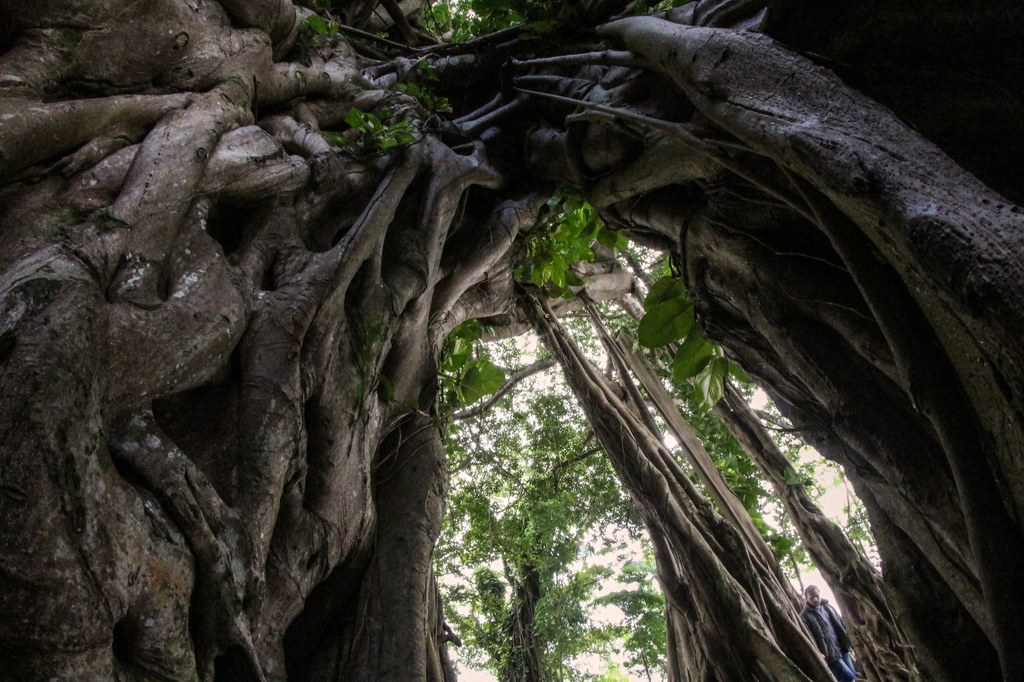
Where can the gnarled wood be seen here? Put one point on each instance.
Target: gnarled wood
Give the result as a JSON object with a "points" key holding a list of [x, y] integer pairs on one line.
{"points": [[216, 323]]}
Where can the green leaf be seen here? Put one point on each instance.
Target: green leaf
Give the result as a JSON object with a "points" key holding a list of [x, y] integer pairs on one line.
{"points": [[720, 368], [572, 279], [711, 381], [458, 350], [691, 358], [559, 291], [320, 26], [739, 374], [537, 275], [665, 323], [356, 118], [426, 70], [460, 353], [609, 239], [663, 290], [471, 330], [558, 269], [335, 138], [481, 378]]}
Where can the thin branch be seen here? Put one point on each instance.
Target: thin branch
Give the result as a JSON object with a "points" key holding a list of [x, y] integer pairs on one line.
{"points": [[401, 23], [602, 58], [516, 377], [493, 104], [487, 120], [477, 45], [590, 452], [775, 422], [622, 115], [366, 35]]}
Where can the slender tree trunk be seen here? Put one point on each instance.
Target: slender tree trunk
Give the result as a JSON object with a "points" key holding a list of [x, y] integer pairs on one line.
{"points": [[731, 617], [881, 645], [524, 662]]}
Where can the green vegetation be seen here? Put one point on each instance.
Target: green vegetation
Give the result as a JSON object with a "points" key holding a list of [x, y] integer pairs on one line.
{"points": [[374, 134], [566, 238], [528, 542], [461, 20], [539, 535], [669, 319], [465, 374], [417, 84]]}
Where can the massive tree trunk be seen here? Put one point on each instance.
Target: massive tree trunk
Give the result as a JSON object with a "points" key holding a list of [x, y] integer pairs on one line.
{"points": [[219, 345], [219, 325], [865, 277]]}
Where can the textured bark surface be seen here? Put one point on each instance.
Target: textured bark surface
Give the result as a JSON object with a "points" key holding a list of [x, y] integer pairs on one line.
{"points": [[219, 327]]}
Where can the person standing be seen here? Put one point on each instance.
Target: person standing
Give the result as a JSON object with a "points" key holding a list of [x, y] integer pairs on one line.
{"points": [[829, 633]]}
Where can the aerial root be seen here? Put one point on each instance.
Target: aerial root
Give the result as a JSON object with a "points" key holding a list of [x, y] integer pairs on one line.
{"points": [[225, 578], [33, 131]]}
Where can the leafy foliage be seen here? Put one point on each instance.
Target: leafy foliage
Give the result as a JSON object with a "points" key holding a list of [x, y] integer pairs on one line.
{"points": [[567, 237], [525, 496], [417, 84], [449, 21], [528, 494], [669, 314], [464, 376], [456, 21], [376, 135], [315, 31], [669, 318], [643, 632], [460, 20], [318, 25]]}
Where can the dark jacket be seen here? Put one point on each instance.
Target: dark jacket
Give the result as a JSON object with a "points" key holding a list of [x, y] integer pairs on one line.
{"points": [[813, 620]]}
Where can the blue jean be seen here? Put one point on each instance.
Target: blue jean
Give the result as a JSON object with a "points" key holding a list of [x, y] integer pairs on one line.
{"points": [[842, 668]]}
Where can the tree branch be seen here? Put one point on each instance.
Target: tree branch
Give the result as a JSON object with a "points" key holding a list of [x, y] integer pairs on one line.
{"points": [[516, 377]]}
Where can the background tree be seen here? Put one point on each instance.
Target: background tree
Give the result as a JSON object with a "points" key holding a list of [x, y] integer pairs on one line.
{"points": [[530, 497], [727, 599], [643, 630]]}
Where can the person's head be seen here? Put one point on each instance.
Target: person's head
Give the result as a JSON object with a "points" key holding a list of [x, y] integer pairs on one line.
{"points": [[812, 595]]}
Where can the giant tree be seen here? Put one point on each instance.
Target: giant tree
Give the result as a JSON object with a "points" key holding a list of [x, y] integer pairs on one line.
{"points": [[235, 238]]}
